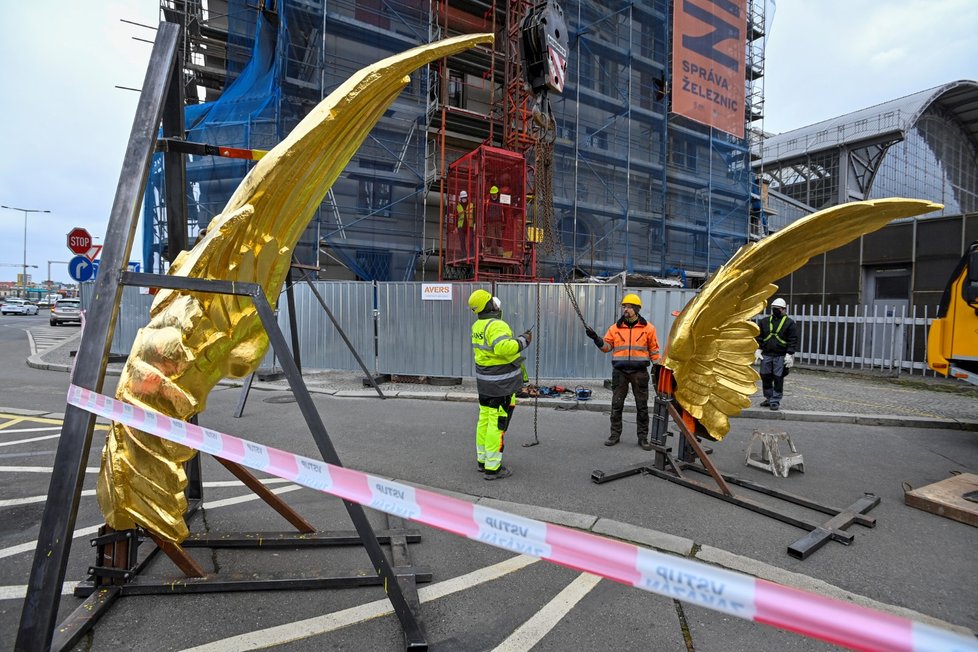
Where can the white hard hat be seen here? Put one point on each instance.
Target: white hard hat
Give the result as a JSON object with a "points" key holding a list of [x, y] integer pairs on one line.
{"points": [[779, 303], [463, 195]]}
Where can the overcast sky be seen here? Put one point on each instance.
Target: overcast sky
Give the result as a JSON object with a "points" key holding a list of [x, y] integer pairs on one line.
{"points": [[64, 125]]}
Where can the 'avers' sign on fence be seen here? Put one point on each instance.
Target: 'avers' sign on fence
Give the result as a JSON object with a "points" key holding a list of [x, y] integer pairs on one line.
{"points": [[436, 291]]}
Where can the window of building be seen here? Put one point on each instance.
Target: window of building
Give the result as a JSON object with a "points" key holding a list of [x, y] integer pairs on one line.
{"points": [[374, 197], [597, 139], [371, 12], [893, 287], [647, 40], [682, 152], [374, 264], [608, 78], [456, 89]]}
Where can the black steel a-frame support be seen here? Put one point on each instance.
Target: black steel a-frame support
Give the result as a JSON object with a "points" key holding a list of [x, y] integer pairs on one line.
{"points": [[40, 609], [690, 456]]}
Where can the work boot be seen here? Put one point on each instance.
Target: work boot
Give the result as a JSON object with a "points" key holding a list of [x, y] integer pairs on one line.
{"points": [[766, 402], [775, 406], [612, 440], [482, 467], [498, 474], [644, 443]]}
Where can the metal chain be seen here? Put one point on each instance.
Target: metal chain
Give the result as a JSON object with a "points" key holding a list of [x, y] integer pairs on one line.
{"points": [[543, 197], [536, 380]]}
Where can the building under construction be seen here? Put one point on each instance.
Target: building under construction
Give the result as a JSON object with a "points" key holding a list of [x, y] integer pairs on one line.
{"points": [[651, 169]]}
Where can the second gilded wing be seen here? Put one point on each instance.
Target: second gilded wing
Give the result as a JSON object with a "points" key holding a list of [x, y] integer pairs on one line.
{"points": [[711, 345]]}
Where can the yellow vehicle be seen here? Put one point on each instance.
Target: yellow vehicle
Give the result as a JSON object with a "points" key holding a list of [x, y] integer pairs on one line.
{"points": [[952, 345]]}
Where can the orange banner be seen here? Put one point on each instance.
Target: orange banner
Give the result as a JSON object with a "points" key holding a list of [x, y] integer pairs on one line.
{"points": [[708, 51]]}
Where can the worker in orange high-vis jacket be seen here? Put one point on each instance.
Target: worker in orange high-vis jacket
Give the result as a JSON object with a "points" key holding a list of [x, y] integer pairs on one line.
{"points": [[634, 347]]}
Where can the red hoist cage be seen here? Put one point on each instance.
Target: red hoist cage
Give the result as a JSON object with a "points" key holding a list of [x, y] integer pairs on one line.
{"points": [[485, 228]]}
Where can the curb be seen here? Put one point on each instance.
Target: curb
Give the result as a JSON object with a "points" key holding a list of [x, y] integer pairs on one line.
{"points": [[591, 405]]}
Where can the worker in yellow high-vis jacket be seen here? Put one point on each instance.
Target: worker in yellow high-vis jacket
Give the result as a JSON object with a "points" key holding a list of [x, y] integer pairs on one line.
{"points": [[498, 376]]}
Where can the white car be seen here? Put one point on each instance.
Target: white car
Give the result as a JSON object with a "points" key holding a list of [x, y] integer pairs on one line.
{"points": [[14, 306]]}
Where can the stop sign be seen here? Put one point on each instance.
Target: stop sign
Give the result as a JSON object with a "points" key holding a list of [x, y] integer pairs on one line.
{"points": [[79, 240]]}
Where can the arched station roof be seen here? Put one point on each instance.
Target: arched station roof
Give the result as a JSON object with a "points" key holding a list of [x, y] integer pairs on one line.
{"points": [[887, 121]]}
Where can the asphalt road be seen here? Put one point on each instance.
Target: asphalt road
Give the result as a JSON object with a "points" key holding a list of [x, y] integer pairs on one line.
{"points": [[483, 598]]}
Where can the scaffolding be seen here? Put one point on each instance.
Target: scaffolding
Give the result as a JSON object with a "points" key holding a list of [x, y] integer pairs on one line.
{"points": [[637, 188]]}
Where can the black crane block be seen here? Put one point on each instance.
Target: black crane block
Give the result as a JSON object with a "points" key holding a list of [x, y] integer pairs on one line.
{"points": [[543, 47]]}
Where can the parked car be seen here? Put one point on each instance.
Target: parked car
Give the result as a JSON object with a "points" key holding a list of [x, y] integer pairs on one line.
{"points": [[48, 301], [66, 311], [14, 306]]}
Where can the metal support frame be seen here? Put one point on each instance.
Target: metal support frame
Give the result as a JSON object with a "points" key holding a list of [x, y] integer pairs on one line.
{"points": [[369, 377], [37, 629], [409, 622], [674, 469], [40, 611], [120, 577]]}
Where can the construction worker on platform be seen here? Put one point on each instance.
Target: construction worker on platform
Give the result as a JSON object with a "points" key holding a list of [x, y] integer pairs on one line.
{"points": [[498, 375], [494, 223], [778, 342], [633, 346], [465, 223]]}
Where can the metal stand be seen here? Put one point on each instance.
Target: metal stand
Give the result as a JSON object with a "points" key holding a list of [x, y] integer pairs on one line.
{"points": [[118, 563], [691, 457]]}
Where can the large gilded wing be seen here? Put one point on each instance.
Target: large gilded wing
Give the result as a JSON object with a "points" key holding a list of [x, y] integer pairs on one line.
{"points": [[711, 344], [195, 339]]}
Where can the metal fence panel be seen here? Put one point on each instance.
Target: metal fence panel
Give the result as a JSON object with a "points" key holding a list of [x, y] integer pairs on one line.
{"points": [[133, 315], [425, 338], [559, 342], [432, 338], [320, 344]]}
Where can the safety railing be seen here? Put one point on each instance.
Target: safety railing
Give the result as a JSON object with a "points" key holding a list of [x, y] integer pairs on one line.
{"points": [[880, 337]]}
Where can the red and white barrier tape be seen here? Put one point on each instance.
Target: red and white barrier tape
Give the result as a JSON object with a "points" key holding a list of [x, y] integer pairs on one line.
{"points": [[739, 595]]}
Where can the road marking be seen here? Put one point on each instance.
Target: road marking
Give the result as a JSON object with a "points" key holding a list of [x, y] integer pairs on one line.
{"points": [[45, 429], [45, 338], [27, 441], [533, 630], [301, 629], [20, 417], [13, 502], [8, 456], [32, 545], [38, 469], [16, 418], [19, 591], [248, 497]]}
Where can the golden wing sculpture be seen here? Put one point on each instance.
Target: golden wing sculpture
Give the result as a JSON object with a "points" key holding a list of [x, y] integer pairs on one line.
{"points": [[711, 344], [195, 339]]}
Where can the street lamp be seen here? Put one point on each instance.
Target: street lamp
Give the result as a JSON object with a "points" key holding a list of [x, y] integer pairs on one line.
{"points": [[60, 262], [25, 211]]}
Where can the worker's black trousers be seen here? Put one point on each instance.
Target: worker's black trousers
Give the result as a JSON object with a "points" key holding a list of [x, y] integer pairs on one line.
{"points": [[638, 380]]}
